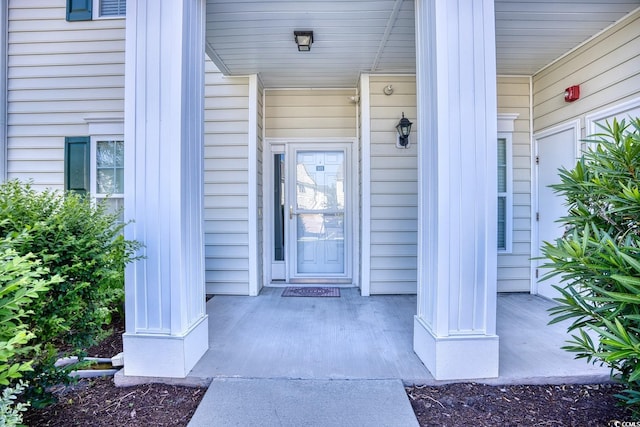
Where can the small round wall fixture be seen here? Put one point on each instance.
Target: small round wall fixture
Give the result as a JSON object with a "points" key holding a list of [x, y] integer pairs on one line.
{"points": [[388, 90]]}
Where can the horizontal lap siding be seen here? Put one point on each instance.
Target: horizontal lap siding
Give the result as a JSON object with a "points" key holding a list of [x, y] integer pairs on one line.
{"points": [[607, 69], [394, 188], [310, 113], [59, 73], [226, 184], [514, 269]]}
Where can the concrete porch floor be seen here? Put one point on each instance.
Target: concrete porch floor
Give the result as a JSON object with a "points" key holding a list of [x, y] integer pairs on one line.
{"points": [[354, 337]]}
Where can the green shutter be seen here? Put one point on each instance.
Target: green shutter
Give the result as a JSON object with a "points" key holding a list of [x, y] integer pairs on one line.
{"points": [[76, 164], [79, 10]]}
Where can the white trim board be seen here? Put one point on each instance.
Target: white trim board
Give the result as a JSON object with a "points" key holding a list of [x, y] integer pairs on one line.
{"points": [[365, 195], [605, 113]]}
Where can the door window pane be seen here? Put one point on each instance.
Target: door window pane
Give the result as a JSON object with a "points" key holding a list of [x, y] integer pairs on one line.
{"points": [[320, 206], [278, 207]]}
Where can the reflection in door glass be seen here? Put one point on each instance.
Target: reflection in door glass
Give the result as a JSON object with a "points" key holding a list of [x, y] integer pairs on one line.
{"points": [[320, 205]]}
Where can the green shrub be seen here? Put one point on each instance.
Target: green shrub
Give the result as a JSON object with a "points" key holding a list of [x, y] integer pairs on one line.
{"points": [[598, 257], [81, 242], [20, 284], [11, 410]]}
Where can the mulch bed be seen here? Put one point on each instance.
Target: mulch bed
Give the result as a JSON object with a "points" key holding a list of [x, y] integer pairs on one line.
{"points": [[99, 403], [517, 405]]}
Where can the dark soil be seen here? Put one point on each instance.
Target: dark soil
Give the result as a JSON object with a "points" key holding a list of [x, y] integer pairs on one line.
{"points": [[518, 405], [99, 403]]}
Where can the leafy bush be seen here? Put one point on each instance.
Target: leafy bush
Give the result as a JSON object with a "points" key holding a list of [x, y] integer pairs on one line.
{"points": [[81, 242], [599, 255], [20, 283], [10, 410]]}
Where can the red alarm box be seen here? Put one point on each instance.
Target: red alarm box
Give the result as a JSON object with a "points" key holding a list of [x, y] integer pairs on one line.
{"points": [[572, 93]]}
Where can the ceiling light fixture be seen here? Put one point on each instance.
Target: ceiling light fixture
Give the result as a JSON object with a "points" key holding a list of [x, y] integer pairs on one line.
{"points": [[303, 40]]}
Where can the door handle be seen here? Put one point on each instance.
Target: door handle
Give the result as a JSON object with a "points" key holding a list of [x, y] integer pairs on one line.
{"points": [[290, 212]]}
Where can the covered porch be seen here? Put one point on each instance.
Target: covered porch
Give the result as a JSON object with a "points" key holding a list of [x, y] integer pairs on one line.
{"points": [[453, 325], [355, 337]]}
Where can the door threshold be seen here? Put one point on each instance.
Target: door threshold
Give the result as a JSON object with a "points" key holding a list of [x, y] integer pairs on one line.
{"points": [[282, 284]]}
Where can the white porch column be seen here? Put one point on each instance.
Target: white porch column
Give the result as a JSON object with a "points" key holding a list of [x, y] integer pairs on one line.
{"points": [[166, 324], [455, 328]]}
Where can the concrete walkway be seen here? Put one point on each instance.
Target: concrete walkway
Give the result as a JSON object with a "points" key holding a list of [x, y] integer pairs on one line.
{"points": [[321, 403], [276, 361]]}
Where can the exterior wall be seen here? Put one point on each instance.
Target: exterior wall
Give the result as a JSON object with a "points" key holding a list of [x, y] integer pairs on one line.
{"points": [[394, 188], [607, 68], [62, 75], [226, 186], [514, 268], [59, 75], [310, 113]]}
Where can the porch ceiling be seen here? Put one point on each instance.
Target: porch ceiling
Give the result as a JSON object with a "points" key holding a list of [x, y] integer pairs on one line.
{"points": [[353, 36]]}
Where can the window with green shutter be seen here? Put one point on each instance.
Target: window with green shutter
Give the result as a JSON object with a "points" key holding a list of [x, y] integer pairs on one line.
{"points": [[86, 10], [76, 164], [79, 10]]}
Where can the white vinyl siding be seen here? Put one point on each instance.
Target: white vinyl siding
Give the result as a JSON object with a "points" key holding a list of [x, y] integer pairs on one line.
{"points": [[59, 74], [514, 266], [607, 69], [394, 188], [321, 113], [226, 186]]}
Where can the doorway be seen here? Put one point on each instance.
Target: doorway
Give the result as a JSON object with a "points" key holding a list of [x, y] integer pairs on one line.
{"points": [[556, 148], [310, 226]]}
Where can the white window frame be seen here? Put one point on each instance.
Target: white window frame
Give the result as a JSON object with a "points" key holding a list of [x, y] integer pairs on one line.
{"points": [[508, 194], [96, 12], [94, 166], [93, 174]]}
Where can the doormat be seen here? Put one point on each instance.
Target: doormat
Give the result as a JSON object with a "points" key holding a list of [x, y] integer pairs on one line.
{"points": [[311, 292]]}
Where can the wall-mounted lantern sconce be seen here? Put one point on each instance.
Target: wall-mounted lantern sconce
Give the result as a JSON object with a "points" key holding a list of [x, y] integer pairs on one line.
{"points": [[404, 129], [304, 39]]}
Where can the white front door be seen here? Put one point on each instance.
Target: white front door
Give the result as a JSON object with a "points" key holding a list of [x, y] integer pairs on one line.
{"points": [[319, 213], [556, 149]]}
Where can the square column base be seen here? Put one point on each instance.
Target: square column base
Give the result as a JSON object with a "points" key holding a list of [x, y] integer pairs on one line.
{"points": [[171, 356], [458, 357]]}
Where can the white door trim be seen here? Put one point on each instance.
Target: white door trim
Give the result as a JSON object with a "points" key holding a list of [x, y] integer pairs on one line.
{"points": [[613, 110], [535, 203], [275, 145]]}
